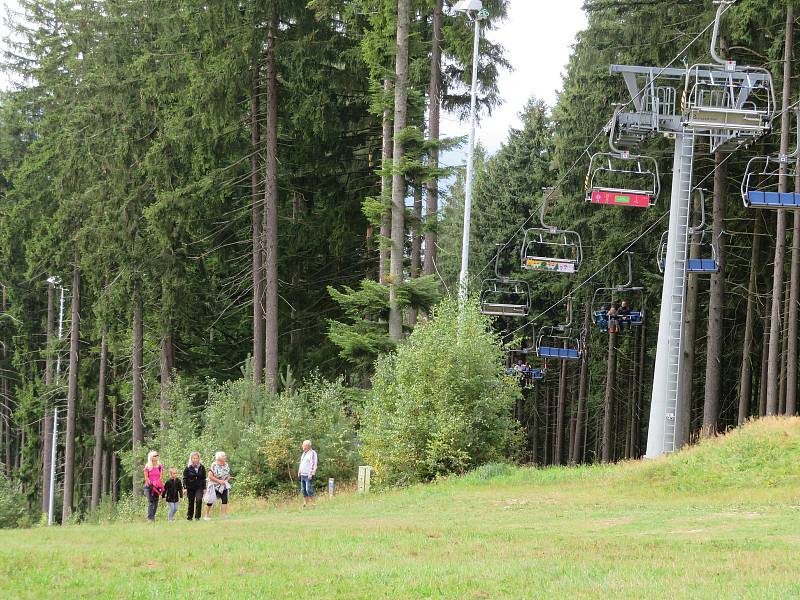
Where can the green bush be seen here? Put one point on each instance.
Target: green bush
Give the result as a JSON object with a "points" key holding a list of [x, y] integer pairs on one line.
{"points": [[12, 504], [442, 403], [318, 410]]}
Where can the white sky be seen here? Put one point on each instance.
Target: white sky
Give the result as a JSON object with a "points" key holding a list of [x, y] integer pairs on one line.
{"points": [[538, 36]]}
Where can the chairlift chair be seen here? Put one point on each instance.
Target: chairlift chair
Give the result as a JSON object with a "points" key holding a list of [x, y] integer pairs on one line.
{"points": [[727, 101], [551, 250], [619, 178], [560, 342], [760, 184], [707, 263], [527, 375], [504, 297], [604, 297], [605, 181], [733, 99]]}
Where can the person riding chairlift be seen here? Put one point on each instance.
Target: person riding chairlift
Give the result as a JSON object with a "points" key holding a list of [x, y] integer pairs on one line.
{"points": [[613, 319], [602, 319], [624, 316]]}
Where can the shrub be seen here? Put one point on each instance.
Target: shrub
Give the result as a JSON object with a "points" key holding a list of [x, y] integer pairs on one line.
{"points": [[442, 403], [12, 504], [318, 410]]}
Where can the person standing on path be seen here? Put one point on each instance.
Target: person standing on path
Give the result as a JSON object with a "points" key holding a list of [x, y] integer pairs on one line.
{"points": [[219, 477], [153, 487], [306, 472], [194, 482], [173, 492]]}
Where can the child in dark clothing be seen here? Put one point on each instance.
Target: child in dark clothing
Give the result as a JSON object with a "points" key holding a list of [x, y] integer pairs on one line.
{"points": [[173, 492]]}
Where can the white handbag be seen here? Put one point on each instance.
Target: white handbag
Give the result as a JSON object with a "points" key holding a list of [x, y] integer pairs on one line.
{"points": [[210, 497]]}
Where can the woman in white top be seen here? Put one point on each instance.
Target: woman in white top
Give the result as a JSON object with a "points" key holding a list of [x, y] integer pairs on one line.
{"points": [[219, 475]]}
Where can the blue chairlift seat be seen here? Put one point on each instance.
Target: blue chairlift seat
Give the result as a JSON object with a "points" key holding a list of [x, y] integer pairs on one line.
{"points": [[706, 265], [761, 199], [601, 319], [559, 353], [526, 376], [702, 265]]}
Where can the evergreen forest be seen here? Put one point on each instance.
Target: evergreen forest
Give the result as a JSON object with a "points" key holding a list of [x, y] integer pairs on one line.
{"points": [[228, 225]]}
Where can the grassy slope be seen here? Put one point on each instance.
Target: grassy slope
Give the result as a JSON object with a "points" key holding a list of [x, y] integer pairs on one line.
{"points": [[717, 521]]}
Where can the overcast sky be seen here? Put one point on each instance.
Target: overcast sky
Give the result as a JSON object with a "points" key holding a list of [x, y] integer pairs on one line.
{"points": [[538, 36]]}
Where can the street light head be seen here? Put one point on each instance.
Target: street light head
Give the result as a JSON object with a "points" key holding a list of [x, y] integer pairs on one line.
{"points": [[54, 280], [468, 6]]}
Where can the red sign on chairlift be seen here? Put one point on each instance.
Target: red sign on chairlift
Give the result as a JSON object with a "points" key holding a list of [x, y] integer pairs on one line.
{"points": [[620, 199]]}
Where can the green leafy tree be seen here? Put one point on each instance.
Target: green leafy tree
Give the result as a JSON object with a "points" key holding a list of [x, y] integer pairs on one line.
{"points": [[442, 403]]}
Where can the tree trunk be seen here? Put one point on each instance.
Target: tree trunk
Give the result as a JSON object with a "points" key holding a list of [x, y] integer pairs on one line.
{"points": [[573, 421], [114, 467], [105, 463], [794, 297], [746, 375], [398, 177], [632, 391], [608, 403], [773, 366], [256, 218], [762, 392], [72, 393], [166, 364], [386, 186], [270, 228], [785, 341], [416, 245], [716, 306], [583, 390], [47, 442], [296, 320], [686, 398], [533, 424], [546, 437], [99, 424], [5, 406], [136, 368], [637, 425], [434, 113], [598, 425], [619, 412], [561, 411]]}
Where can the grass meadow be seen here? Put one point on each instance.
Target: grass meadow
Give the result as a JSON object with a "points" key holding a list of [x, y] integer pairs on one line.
{"points": [[721, 520]]}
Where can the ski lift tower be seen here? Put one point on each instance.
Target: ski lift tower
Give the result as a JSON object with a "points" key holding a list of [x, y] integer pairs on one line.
{"points": [[728, 105]]}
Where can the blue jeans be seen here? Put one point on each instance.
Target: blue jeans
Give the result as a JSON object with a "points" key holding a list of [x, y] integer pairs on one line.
{"points": [[306, 486], [173, 508]]}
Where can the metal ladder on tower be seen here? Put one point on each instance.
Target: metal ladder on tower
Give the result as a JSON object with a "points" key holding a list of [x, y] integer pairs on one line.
{"points": [[678, 293]]}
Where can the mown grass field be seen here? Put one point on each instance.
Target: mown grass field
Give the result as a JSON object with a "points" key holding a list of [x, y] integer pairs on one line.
{"points": [[719, 521]]}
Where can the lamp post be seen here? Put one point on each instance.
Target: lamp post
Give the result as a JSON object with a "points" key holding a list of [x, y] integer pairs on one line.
{"points": [[476, 13], [56, 282]]}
